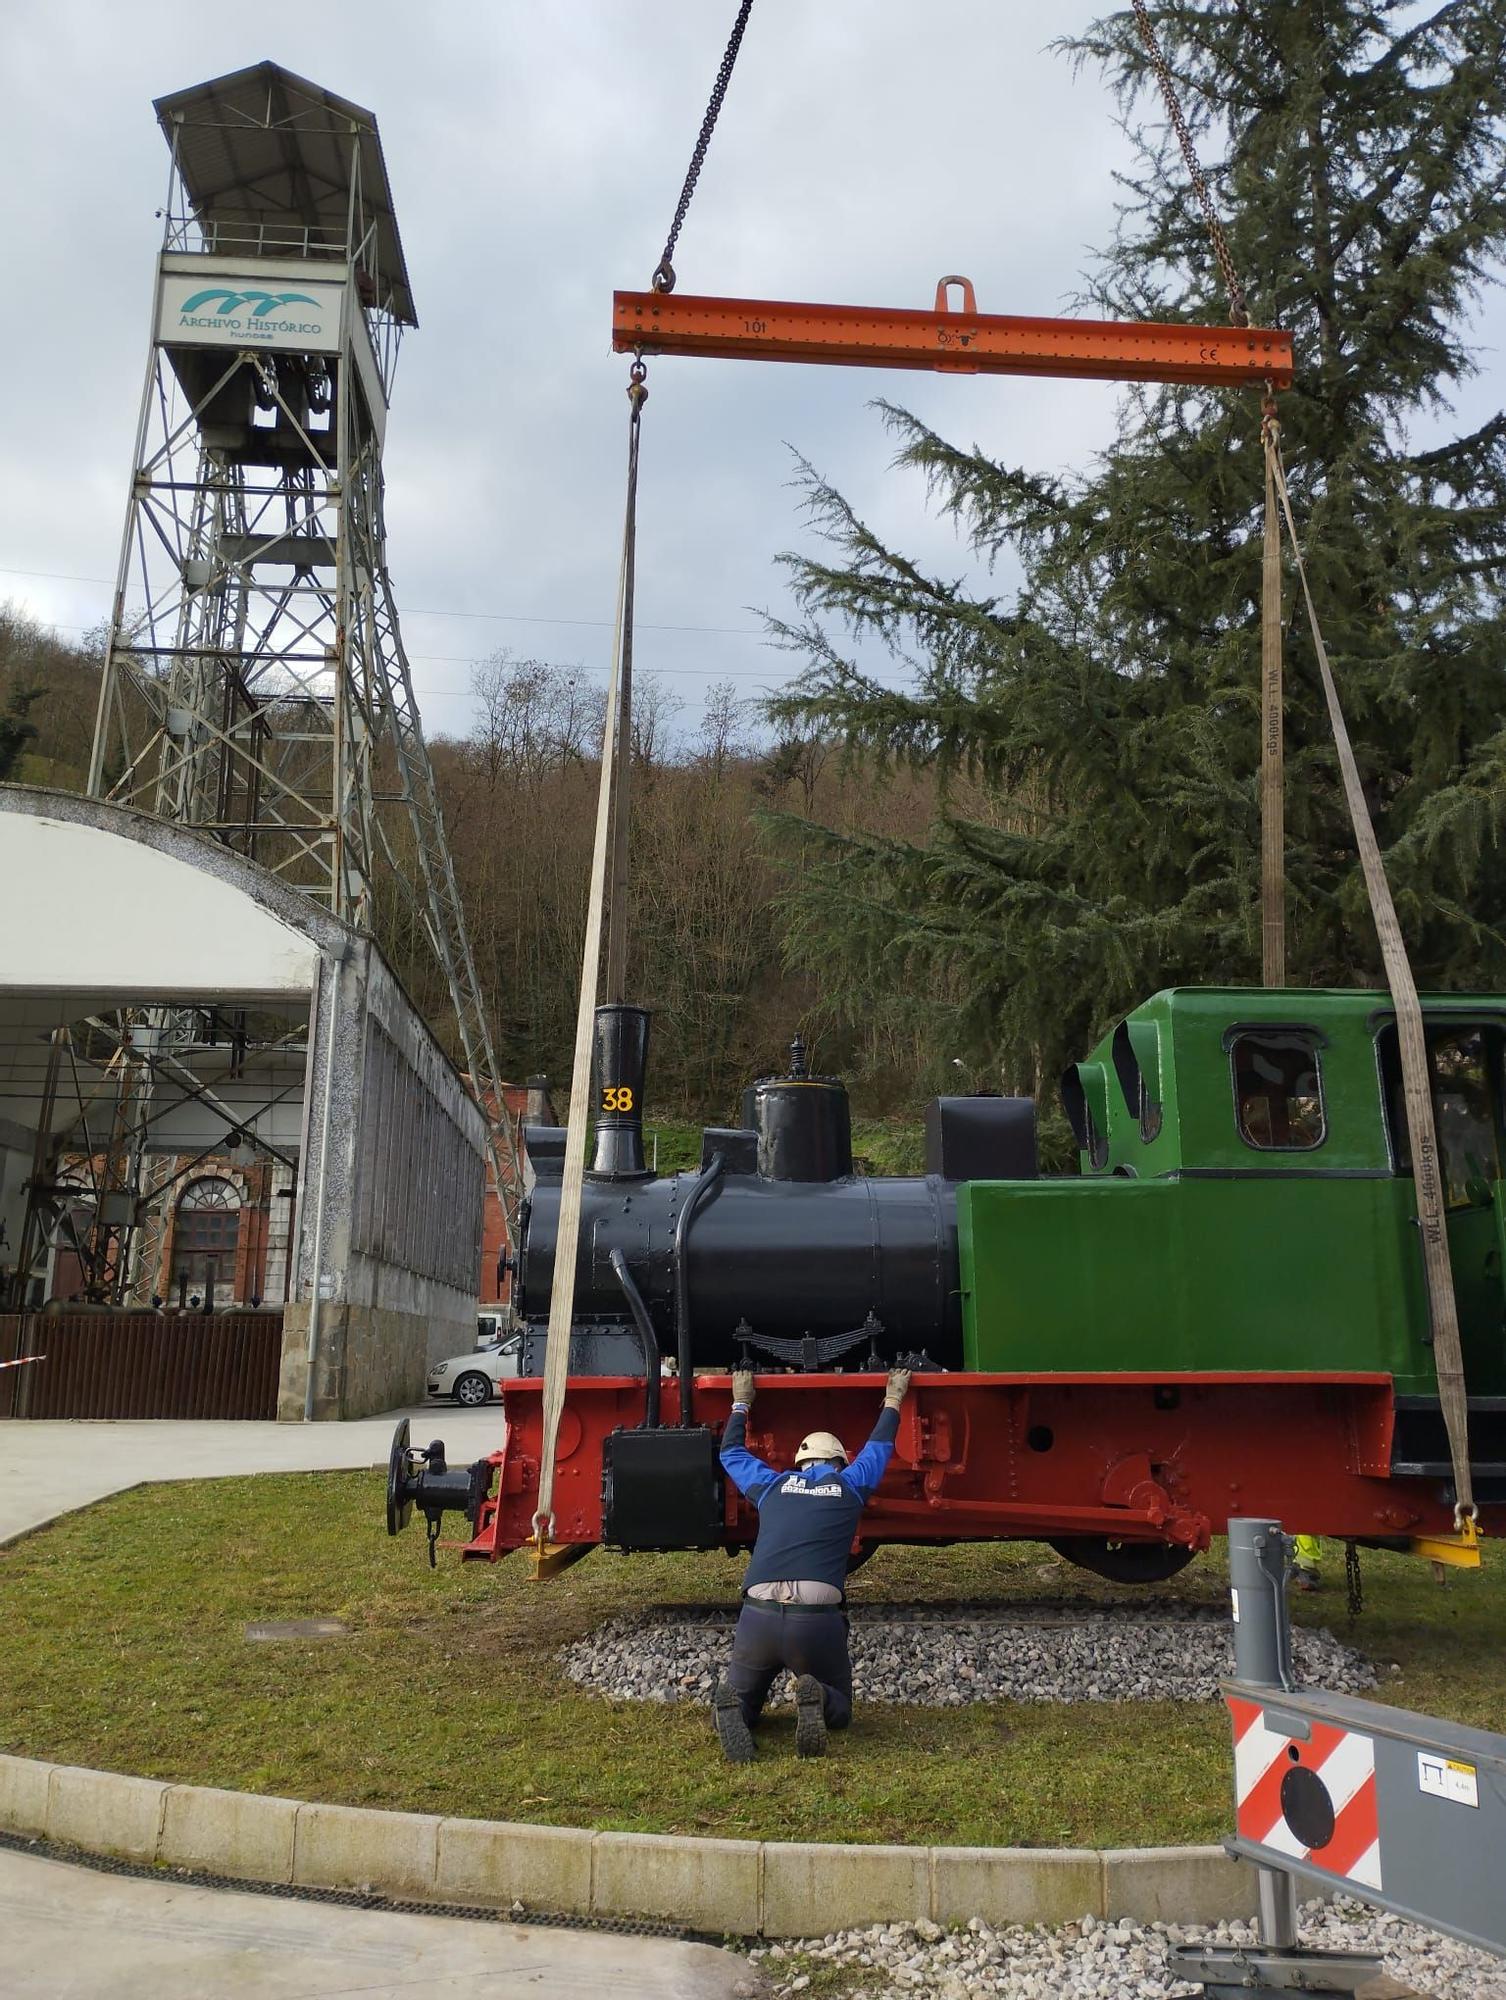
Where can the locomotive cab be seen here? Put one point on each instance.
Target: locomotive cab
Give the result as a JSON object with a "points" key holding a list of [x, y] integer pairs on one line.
{"points": [[1245, 1187]]}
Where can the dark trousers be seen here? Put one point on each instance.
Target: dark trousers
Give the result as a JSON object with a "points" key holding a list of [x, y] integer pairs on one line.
{"points": [[805, 1638]]}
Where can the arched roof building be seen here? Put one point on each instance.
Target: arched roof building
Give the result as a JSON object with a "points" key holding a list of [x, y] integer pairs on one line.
{"points": [[161, 996]]}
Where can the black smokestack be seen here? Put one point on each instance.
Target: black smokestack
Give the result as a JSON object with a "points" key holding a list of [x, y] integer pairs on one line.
{"points": [[619, 1061]]}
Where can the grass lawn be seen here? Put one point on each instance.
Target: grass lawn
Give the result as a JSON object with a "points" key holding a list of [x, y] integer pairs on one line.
{"points": [[124, 1645]]}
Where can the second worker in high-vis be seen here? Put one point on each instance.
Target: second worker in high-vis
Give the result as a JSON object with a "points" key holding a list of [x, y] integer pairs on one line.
{"points": [[793, 1614]]}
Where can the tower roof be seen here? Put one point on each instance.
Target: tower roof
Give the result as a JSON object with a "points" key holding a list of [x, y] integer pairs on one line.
{"points": [[266, 155]]}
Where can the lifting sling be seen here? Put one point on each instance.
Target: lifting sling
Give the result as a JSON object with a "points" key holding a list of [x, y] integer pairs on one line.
{"points": [[1448, 1355], [1443, 1315], [610, 853]]}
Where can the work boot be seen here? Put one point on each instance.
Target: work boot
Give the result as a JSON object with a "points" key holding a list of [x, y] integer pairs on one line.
{"points": [[810, 1717], [1305, 1580], [732, 1730]]}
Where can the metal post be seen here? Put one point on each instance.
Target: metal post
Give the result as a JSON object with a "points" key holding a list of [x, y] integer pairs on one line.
{"points": [[1258, 1568], [1257, 1579], [1278, 1908], [321, 1192]]}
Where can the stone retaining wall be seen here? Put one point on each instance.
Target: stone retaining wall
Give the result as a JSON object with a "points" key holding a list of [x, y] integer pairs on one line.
{"points": [[739, 1887]]}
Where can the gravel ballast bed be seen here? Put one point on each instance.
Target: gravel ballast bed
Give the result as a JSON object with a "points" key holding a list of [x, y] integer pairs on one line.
{"points": [[942, 1656], [1098, 1960]]}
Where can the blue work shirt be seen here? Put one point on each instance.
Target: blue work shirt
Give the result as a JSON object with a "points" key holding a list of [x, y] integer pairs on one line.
{"points": [[808, 1517]]}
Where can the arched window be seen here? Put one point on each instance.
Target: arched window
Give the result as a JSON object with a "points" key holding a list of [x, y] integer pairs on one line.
{"points": [[206, 1230]]}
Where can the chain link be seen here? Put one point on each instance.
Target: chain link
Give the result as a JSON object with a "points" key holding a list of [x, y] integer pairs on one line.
{"points": [[664, 275], [1238, 311], [1354, 1584]]}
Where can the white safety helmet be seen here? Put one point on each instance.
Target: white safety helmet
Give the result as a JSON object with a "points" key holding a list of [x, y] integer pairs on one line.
{"points": [[821, 1448]]}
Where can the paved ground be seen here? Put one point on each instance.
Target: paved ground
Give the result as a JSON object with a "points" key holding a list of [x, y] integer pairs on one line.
{"points": [[49, 1468], [73, 1934]]}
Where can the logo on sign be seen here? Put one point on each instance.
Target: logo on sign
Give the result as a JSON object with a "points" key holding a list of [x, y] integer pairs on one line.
{"points": [[232, 301], [239, 312]]}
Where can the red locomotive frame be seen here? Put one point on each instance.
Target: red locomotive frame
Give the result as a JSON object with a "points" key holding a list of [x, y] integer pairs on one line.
{"points": [[1167, 1458]]}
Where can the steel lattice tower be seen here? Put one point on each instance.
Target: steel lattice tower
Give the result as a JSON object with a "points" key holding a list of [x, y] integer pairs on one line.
{"points": [[255, 682]]}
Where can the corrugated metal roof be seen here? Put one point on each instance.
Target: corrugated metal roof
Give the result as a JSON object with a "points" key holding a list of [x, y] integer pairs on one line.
{"points": [[266, 154]]}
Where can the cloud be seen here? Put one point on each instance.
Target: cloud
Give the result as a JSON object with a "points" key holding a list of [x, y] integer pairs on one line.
{"points": [[535, 152]]}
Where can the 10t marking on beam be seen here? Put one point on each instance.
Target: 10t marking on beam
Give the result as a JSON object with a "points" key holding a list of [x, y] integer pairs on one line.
{"points": [[961, 342]]}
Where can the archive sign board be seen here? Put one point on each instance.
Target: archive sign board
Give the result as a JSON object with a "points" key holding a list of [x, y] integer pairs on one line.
{"points": [[244, 308]]}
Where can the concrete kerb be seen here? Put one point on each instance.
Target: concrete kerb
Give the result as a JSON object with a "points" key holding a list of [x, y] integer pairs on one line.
{"points": [[718, 1887]]}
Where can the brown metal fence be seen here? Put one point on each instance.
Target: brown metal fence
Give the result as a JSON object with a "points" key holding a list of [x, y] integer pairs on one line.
{"points": [[141, 1364]]}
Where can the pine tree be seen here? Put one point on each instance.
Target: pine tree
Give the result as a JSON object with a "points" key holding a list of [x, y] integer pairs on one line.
{"points": [[1097, 729]]}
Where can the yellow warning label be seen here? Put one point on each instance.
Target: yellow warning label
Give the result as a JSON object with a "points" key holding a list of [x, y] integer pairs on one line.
{"points": [[1448, 1778]]}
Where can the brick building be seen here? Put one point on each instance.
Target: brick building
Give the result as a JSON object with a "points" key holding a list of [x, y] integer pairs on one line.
{"points": [[526, 1104], [221, 1222], [229, 1222]]}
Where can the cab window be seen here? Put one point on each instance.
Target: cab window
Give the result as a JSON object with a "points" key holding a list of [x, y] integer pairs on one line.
{"points": [[1278, 1090], [1464, 1066]]}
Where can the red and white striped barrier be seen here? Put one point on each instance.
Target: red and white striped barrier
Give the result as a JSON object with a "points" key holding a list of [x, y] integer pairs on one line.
{"points": [[1310, 1797], [25, 1358]]}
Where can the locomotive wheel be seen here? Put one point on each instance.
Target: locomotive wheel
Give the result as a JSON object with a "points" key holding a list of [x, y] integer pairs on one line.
{"points": [[399, 1499], [1123, 1562]]}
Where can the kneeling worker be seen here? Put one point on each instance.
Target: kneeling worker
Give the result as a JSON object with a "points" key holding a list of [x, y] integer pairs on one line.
{"points": [[792, 1615]]}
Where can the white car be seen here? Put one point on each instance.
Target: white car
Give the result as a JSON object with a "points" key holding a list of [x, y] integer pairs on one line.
{"points": [[473, 1379]]}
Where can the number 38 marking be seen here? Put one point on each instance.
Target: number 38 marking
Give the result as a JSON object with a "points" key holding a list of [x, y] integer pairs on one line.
{"points": [[617, 1097]]}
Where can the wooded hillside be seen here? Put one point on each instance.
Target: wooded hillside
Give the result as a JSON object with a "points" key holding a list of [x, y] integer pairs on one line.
{"points": [[519, 796], [707, 924]]}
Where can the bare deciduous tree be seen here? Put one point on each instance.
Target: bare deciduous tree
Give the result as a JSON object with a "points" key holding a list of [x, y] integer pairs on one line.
{"points": [[722, 737]]}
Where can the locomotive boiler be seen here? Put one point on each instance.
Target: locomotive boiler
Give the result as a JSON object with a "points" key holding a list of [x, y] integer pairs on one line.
{"points": [[1220, 1312], [776, 1250]]}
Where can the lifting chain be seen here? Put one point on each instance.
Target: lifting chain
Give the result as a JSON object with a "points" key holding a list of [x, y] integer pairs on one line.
{"points": [[664, 275], [1354, 1583], [1238, 311]]}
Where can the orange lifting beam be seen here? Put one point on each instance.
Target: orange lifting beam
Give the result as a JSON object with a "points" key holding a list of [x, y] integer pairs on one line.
{"points": [[961, 342]]}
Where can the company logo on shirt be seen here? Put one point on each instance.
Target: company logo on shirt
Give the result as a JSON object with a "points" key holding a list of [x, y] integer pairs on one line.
{"points": [[796, 1484]]}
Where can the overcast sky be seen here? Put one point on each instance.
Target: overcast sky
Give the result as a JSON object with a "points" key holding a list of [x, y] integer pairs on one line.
{"points": [[535, 149]]}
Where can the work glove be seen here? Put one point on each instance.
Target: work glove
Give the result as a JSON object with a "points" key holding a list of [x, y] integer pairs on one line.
{"points": [[742, 1386], [897, 1387]]}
